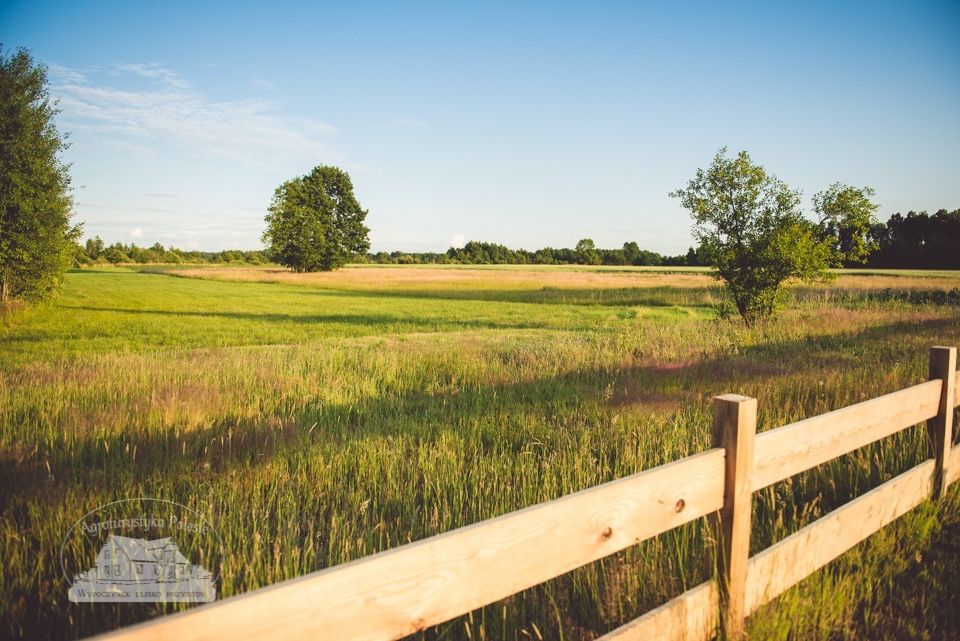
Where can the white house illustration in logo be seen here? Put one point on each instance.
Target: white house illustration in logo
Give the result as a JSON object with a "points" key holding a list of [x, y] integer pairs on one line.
{"points": [[142, 571]]}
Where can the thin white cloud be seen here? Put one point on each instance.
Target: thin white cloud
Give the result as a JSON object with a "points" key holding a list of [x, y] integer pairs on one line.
{"points": [[66, 74], [136, 232], [458, 240], [155, 70], [253, 132]]}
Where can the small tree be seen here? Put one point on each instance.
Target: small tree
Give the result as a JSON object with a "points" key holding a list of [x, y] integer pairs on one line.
{"points": [[37, 241], [751, 230], [315, 222], [586, 252], [94, 247], [846, 216]]}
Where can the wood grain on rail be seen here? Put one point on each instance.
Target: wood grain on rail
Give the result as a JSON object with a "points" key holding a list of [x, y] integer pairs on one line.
{"points": [[734, 429], [692, 616], [797, 447], [781, 566], [397, 592]]}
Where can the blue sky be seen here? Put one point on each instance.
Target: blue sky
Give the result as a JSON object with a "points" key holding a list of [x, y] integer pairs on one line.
{"points": [[530, 124]]}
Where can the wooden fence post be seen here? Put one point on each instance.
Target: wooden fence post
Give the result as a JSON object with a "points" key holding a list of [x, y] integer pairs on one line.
{"points": [[943, 366], [734, 428]]}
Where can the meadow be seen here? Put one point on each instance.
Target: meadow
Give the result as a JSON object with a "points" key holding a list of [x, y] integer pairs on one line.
{"points": [[318, 418]]}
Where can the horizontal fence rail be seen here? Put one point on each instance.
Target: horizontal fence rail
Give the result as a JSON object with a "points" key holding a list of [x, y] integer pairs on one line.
{"points": [[783, 565], [401, 591], [793, 448]]}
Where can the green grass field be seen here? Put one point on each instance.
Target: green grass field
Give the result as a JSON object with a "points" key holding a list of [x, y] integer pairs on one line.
{"points": [[320, 418]]}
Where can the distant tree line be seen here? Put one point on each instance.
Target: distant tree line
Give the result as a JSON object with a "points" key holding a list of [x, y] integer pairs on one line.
{"points": [[94, 251], [585, 253], [915, 241]]}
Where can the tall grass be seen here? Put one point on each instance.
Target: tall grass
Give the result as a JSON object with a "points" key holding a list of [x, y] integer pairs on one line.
{"points": [[318, 425]]}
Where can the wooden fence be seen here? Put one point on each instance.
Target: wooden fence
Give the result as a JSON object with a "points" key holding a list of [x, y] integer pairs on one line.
{"points": [[403, 590]]}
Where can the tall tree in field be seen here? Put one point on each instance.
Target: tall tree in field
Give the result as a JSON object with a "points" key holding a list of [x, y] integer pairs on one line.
{"points": [[36, 237], [315, 222], [752, 231], [846, 216], [586, 252]]}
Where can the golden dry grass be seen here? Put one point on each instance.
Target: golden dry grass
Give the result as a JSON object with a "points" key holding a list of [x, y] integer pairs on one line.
{"points": [[400, 278], [394, 278]]}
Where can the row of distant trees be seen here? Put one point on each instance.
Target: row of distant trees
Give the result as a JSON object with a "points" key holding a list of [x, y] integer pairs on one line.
{"points": [[917, 240], [912, 241], [585, 253], [95, 251]]}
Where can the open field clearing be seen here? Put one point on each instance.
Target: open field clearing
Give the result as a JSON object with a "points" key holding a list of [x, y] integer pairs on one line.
{"points": [[522, 277], [318, 418]]}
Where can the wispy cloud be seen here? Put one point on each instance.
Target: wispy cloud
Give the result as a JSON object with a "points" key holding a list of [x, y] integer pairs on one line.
{"points": [[156, 71], [253, 132], [66, 74]]}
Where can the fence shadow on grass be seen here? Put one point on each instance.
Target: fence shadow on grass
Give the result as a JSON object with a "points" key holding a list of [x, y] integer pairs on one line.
{"points": [[237, 445], [238, 440]]}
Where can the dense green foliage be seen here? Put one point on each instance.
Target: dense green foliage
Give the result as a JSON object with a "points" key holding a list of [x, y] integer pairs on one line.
{"points": [[585, 253], [752, 230], [315, 222], [846, 215], [918, 241], [317, 424], [36, 236]]}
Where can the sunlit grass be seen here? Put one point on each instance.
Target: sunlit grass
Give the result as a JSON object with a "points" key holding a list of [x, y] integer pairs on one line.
{"points": [[316, 424]]}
